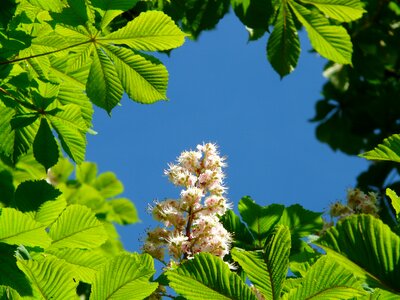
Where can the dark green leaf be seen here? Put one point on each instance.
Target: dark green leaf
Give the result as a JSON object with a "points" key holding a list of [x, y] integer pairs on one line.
{"points": [[283, 47], [30, 195], [45, 148], [260, 220], [242, 237]]}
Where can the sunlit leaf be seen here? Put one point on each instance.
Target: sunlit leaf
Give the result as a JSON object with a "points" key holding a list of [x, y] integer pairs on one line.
{"points": [[341, 10], [326, 279], [50, 278], [18, 228], [208, 277], [150, 31], [125, 277], [77, 227], [388, 150], [331, 41]]}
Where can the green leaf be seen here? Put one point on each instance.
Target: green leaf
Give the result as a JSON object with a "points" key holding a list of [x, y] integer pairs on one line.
{"points": [[125, 277], [84, 263], [301, 222], [123, 212], [108, 185], [254, 14], [260, 220], [77, 227], [267, 269], [332, 42], [10, 275], [45, 148], [103, 85], [150, 31], [283, 46], [51, 278], [367, 247], [388, 150], [301, 262], [31, 194], [54, 5], [395, 200], [61, 171], [18, 228], [27, 168], [207, 277], [6, 188], [112, 9], [15, 143], [144, 79], [86, 172], [8, 293], [49, 211], [326, 279], [71, 129], [341, 10], [242, 237]]}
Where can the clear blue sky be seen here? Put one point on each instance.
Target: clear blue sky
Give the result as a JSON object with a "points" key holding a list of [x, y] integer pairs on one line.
{"points": [[223, 90]]}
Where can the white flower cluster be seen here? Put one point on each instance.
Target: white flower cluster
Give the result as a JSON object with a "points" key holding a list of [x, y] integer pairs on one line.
{"points": [[191, 223]]}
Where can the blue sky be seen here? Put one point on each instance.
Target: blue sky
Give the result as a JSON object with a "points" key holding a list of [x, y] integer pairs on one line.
{"points": [[223, 90]]}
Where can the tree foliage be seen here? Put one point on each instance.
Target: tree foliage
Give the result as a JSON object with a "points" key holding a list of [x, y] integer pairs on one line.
{"points": [[57, 234]]}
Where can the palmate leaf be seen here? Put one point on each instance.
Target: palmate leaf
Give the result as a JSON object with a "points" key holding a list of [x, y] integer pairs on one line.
{"points": [[260, 220], [368, 248], [77, 227], [143, 78], [150, 31], [341, 10], [332, 42], [326, 279], [208, 277], [18, 228], [283, 46], [125, 277], [388, 150], [267, 268], [50, 278]]}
